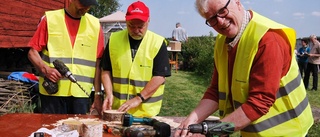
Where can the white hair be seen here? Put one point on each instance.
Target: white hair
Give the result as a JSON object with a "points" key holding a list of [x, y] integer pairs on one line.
{"points": [[313, 36], [202, 7]]}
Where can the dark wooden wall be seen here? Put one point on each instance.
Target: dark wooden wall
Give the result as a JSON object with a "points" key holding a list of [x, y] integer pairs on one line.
{"points": [[19, 19], [18, 22]]}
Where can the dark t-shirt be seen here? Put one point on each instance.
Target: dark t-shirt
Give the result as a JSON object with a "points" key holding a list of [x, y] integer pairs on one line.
{"points": [[161, 65]]}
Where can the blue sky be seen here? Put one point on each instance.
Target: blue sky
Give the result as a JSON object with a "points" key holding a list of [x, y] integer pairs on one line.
{"points": [[302, 15]]}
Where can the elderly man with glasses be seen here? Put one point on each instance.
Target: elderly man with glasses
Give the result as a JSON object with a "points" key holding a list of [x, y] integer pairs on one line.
{"points": [[256, 85]]}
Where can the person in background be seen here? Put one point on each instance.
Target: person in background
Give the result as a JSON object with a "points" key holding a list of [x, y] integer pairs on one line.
{"points": [[313, 62], [302, 56], [296, 53], [179, 34], [134, 66], [256, 83], [76, 38]]}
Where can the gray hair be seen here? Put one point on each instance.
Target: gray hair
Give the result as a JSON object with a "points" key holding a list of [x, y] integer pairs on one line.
{"points": [[313, 36], [202, 7]]}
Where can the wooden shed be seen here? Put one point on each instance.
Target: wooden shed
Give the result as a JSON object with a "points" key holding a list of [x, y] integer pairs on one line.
{"points": [[19, 19], [18, 22]]}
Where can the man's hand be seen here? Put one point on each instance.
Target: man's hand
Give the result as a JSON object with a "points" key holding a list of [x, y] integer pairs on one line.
{"points": [[97, 104], [182, 130], [52, 74], [107, 103], [132, 103], [101, 105]]}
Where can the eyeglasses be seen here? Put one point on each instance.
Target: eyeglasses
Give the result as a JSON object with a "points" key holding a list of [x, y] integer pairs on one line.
{"points": [[223, 12]]}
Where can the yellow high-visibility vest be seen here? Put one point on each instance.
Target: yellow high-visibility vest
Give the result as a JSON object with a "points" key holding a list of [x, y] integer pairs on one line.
{"points": [[130, 77], [291, 114], [80, 59]]}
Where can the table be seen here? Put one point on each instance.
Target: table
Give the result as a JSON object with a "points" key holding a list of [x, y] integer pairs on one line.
{"points": [[174, 59], [24, 124]]}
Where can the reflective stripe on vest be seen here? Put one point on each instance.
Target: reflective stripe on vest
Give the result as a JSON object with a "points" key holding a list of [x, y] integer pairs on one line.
{"points": [[135, 84], [130, 77], [291, 113], [80, 59]]}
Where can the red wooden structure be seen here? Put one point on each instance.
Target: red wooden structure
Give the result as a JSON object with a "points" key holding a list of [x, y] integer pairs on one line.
{"points": [[19, 19], [18, 22]]}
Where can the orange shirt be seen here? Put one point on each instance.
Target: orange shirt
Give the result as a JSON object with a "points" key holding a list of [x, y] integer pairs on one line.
{"points": [[270, 64]]}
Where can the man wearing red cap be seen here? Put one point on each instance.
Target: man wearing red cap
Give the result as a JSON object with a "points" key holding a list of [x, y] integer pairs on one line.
{"points": [[134, 66], [74, 37]]}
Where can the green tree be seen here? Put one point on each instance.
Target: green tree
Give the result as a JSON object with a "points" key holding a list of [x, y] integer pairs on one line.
{"points": [[105, 7], [197, 55]]}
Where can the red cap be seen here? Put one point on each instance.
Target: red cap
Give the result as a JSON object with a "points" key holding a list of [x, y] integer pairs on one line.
{"points": [[138, 10]]}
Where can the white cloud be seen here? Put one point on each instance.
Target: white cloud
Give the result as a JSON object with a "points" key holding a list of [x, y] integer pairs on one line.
{"points": [[298, 15], [316, 13], [246, 2]]}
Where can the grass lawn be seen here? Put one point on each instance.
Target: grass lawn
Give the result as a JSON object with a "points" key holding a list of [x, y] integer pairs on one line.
{"points": [[183, 91]]}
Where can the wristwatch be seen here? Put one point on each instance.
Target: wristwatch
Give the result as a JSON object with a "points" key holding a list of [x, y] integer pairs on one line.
{"points": [[141, 97], [98, 93]]}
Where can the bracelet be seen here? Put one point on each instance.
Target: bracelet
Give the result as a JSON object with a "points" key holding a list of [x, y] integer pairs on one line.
{"points": [[98, 93], [141, 97]]}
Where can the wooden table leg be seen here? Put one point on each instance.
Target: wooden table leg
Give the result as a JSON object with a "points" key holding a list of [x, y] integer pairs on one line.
{"points": [[174, 60]]}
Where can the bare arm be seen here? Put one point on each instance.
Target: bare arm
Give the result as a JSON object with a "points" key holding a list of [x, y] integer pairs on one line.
{"points": [[107, 84], [204, 109], [97, 77], [97, 103], [152, 86], [36, 60], [239, 118], [313, 55], [147, 92], [47, 71]]}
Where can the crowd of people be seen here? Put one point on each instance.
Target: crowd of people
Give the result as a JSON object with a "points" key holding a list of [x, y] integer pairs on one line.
{"points": [[308, 57], [256, 84]]}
